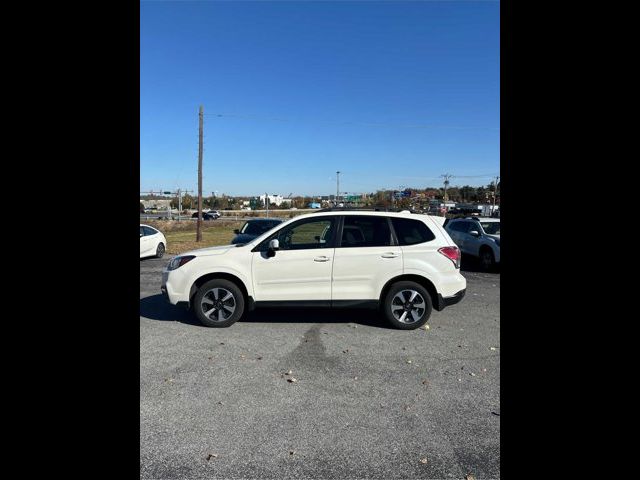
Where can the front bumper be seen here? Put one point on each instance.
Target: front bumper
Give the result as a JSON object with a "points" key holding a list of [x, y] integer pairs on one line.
{"points": [[446, 301]]}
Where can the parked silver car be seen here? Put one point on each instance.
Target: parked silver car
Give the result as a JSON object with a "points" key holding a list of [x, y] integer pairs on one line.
{"points": [[479, 237]]}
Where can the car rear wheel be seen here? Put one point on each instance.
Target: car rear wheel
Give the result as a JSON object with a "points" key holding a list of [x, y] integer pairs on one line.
{"points": [[218, 303], [160, 250], [407, 305]]}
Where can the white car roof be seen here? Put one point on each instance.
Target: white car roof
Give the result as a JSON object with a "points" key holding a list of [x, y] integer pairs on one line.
{"points": [[476, 219]]}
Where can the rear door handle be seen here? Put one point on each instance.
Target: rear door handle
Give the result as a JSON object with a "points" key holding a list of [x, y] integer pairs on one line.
{"points": [[389, 255], [321, 259]]}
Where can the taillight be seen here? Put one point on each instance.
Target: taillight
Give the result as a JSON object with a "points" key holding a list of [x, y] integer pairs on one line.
{"points": [[452, 253]]}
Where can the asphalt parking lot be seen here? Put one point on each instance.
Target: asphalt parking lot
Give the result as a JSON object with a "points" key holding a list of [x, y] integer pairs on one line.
{"points": [[369, 401]]}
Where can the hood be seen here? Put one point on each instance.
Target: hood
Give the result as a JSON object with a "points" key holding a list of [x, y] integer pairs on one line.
{"points": [[202, 252], [496, 238]]}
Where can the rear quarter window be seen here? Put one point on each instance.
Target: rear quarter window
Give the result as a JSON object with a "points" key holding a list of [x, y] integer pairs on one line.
{"points": [[411, 232]]}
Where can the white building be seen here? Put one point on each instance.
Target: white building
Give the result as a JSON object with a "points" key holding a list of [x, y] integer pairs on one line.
{"points": [[277, 199], [161, 204]]}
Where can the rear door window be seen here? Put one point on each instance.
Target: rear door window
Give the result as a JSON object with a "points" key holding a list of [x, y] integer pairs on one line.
{"points": [[412, 232], [459, 226], [365, 231]]}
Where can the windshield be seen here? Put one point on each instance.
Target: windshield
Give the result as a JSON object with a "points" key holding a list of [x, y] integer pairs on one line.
{"points": [[491, 228], [257, 228]]}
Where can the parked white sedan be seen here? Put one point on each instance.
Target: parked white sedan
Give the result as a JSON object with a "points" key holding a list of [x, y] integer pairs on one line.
{"points": [[152, 242]]}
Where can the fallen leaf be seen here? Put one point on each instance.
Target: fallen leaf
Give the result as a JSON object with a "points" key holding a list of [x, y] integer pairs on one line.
{"points": [[496, 414], [423, 460], [469, 477], [291, 380], [426, 327], [355, 378], [220, 403], [408, 361], [345, 351], [472, 374], [492, 348], [425, 382], [259, 358], [484, 369], [210, 456], [289, 372]]}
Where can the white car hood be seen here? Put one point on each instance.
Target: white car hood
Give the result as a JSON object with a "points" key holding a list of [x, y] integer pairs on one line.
{"points": [[203, 252]]}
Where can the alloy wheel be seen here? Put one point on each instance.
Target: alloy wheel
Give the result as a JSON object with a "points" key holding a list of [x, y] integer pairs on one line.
{"points": [[408, 306]]}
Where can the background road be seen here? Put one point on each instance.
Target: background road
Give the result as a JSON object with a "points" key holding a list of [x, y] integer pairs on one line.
{"points": [[369, 401]]}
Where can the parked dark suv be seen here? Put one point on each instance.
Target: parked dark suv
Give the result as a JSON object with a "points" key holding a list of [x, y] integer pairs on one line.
{"points": [[254, 228]]}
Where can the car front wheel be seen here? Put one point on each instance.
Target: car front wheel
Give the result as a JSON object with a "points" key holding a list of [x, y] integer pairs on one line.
{"points": [[487, 260], [407, 305], [160, 250], [218, 303]]}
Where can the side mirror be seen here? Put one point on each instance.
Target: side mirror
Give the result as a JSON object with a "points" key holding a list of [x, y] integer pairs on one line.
{"points": [[141, 235], [474, 233], [236, 231], [273, 246]]}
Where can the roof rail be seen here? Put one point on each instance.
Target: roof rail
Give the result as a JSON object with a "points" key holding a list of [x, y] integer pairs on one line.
{"points": [[365, 209]]}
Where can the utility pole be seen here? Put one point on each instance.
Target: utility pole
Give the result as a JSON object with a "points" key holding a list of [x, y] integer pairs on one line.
{"points": [[266, 202], [179, 203], [337, 188], [495, 194], [199, 225], [446, 177]]}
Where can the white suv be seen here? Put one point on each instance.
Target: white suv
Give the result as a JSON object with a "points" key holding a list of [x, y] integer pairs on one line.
{"points": [[402, 262], [479, 237]]}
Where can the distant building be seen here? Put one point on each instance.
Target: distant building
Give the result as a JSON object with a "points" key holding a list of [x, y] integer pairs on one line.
{"points": [[159, 204], [277, 199]]}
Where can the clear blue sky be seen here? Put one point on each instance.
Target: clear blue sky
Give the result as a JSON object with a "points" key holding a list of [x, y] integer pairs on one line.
{"points": [[390, 93]]}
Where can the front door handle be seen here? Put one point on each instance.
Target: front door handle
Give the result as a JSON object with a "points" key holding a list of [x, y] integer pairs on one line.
{"points": [[389, 255], [321, 259]]}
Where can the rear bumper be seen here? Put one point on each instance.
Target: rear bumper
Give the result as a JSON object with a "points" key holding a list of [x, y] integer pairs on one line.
{"points": [[446, 301]]}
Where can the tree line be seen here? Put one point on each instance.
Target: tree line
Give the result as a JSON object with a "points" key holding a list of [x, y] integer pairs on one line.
{"points": [[384, 198]]}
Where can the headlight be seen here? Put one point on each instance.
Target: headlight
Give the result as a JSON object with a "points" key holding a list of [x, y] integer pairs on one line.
{"points": [[177, 262]]}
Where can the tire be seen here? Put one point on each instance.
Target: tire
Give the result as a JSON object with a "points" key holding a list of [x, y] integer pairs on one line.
{"points": [[412, 295], [160, 250], [209, 295], [487, 260]]}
